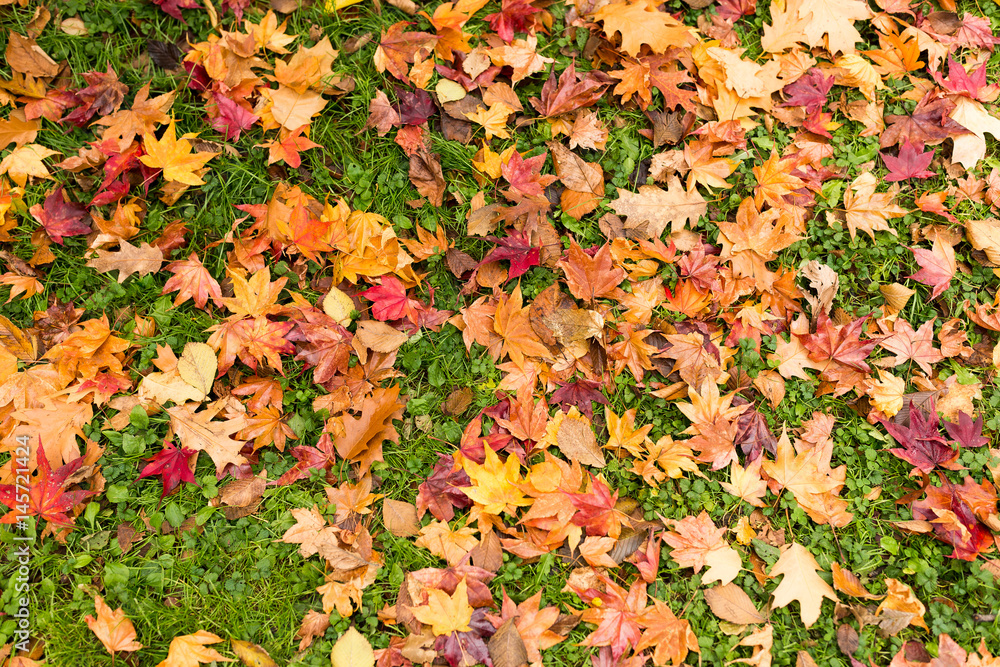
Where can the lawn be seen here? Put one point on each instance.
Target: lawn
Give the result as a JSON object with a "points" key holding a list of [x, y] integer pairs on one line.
{"points": [[608, 332]]}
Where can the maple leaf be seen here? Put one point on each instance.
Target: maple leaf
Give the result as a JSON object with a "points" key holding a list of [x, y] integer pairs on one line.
{"points": [[923, 445], [191, 280], [910, 163], [800, 582], [128, 260], [572, 91], [288, 148], [533, 624], [842, 344], [26, 161], [671, 638], [597, 511], [962, 83], [233, 119], [512, 323], [590, 277], [956, 513], [397, 49], [639, 23], [746, 483], [141, 119], [697, 543], [775, 181], [443, 490], [810, 91], [446, 613], [917, 345], [807, 474], [173, 465], [174, 7], [190, 650], [176, 157], [514, 16], [17, 130], [929, 124], [198, 432], [494, 485], [868, 211], [113, 628], [46, 497], [966, 432], [615, 612], [518, 249], [60, 218], [938, 266]]}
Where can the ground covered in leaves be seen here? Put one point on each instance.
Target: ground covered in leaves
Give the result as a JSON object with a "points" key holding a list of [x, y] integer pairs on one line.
{"points": [[520, 332]]}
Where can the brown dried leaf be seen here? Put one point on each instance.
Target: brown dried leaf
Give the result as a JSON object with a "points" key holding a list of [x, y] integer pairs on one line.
{"points": [[731, 603]]}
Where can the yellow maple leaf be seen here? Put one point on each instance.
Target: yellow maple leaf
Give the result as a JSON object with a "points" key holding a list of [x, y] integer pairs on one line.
{"points": [[176, 157], [26, 161], [493, 120], [446, 613], [495, 483]]}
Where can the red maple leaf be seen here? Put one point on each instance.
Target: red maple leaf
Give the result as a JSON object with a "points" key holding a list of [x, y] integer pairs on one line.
{"points": [[581, 393], [514, 16], [734, 9], [842, 344], [232, 119], [389, 300], [60, 218], [518, 249], [595, 511], [956, 511], [174, 7], [810, 91], [922, 443], [616, 614], [525, 175], [172, 465], [46, 497], [937, 266], [930, 123], [961, 82], [572, 92], [323, 344], [910, 163], [442, 491], [966, 432]]}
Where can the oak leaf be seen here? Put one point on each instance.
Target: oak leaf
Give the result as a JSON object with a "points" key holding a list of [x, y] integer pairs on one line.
{"points": [[639, 23], [197, 431], [649, 211], [128, 260], [801, 582]]}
